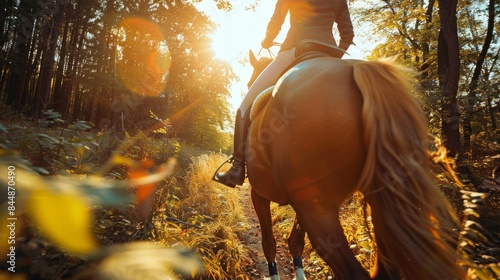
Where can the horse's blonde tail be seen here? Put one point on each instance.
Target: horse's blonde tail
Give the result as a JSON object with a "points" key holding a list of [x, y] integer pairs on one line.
{"points": [[409, 213]]}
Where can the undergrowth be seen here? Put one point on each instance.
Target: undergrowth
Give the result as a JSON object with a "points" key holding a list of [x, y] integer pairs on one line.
{"points": [[188, 209], [207, 219]]}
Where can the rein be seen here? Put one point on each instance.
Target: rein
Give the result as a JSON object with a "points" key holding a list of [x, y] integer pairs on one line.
{"points": [[271, 54]]}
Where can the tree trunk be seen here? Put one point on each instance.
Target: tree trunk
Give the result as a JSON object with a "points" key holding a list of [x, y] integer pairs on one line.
{"points": [[78, 74], [449, 72], [20, 54], [6, 21], [425, 44], [60, 95], [472, 96], [492, 88], [44, 84]]}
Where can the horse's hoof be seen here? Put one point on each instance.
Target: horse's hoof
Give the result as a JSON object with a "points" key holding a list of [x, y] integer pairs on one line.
{"points": [[299, 274]]}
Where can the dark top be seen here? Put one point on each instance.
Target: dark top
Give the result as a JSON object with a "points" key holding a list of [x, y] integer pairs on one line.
{"points": [[311, 19]]}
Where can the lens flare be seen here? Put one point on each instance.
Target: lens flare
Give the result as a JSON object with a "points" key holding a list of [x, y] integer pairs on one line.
{"points": [[142, 56]]}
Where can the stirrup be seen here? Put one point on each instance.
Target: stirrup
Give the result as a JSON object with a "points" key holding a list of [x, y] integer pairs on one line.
{"points": [[214, 177]]}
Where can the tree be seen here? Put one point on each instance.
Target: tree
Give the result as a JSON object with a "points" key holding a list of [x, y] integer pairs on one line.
{"points": [[47, 45], [68, 55], [407, 28], [474, 83], [17, 50], [449, 74]]}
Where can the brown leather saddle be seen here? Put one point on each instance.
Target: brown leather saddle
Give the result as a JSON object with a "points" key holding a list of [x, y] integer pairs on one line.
{"points": [[305, 50], [308, 49], [306, 46]]}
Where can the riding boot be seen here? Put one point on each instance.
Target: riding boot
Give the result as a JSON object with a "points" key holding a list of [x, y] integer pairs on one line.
{"points": [[236, 174]]}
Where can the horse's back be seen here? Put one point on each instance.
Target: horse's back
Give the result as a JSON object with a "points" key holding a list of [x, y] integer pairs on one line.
{"points": [[310, 134]]}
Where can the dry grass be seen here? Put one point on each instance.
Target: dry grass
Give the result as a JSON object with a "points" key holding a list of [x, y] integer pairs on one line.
{"points": [[212, 218], [359, 230]]}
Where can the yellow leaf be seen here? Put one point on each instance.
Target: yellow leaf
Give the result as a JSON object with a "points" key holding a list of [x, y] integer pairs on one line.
{"points": [[117, 159], [64, 219]]}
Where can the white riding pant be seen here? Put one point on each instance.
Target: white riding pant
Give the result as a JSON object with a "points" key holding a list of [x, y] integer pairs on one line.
{"points": [[267, 78]]}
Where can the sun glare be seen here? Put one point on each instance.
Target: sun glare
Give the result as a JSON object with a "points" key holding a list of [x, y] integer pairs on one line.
{"points": [[238, 31], [226, 44], [241, 30], [143, 57]]}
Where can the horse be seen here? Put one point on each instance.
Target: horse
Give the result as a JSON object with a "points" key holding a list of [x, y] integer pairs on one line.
{"points": [[336, 126]]}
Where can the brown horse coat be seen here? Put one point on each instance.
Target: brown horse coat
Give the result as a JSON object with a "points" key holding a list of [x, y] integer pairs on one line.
{"points": [[337, 126]]}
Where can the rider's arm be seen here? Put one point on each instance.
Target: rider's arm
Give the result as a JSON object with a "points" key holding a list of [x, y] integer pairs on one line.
{"points": [[344, 25], [274, 25]]}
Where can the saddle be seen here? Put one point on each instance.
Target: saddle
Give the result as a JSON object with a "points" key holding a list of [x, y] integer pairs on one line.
{"points": [[310, 45], [309, 49], [305, 50]]}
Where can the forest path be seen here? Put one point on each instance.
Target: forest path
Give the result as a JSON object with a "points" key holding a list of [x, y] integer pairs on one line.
{"points": [[252, 241]]}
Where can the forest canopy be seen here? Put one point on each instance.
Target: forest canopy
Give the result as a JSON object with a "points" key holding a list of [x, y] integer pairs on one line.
{"points": [[464, 111], [114, 63], [117, 63]]}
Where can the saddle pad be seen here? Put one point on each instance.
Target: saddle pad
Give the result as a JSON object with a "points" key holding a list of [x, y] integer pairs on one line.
{"points": [[260, 101]]}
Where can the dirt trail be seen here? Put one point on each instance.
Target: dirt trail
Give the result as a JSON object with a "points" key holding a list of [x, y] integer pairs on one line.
{"points": [[253, 243]]}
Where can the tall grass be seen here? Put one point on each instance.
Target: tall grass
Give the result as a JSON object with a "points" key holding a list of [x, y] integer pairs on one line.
{"points": [[208, 219]]}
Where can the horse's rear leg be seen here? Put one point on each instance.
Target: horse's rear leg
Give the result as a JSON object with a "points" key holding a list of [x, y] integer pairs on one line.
{"points": [[296, 241], [328, 239], [263, 209], [382, 272]]}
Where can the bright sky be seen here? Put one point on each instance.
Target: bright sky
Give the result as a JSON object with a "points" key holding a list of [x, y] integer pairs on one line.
{"points": [[241, 30]]}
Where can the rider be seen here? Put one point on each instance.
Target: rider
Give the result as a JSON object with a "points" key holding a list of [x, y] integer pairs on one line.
{"points": [[309, 19]]}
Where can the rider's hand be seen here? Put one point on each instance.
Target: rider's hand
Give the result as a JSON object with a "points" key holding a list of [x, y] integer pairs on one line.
{"points": [[266, 43]]}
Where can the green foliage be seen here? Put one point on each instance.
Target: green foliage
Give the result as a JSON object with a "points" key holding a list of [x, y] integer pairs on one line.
{"points": [[157, 148], [58, 149], [409, 29], [52, 117], [101, 208], [111, 73], [59, 208], [76, 213]]}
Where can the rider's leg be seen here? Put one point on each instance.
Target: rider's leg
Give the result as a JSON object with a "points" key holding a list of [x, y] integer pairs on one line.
{"points": [[268, 77], [236, 174]]}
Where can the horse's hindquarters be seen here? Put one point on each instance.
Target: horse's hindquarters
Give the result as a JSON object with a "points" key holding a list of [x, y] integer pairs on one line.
{"points": [[308, 139]]}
